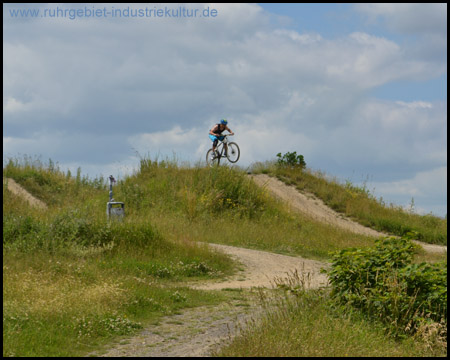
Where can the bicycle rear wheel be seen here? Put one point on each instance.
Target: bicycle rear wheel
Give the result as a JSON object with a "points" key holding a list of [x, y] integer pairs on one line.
{"points": [[233, 152], [211, 158]]}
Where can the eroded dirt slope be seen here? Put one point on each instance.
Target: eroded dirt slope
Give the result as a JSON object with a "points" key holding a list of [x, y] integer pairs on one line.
{"points": [[316, 209], [18, 190]]}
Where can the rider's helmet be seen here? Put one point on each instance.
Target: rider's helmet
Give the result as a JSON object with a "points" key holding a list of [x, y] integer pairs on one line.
{"points": [[224, 121]]}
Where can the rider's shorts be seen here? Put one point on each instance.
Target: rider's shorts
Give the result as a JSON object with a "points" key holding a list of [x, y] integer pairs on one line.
{"points": [[214, 138]]}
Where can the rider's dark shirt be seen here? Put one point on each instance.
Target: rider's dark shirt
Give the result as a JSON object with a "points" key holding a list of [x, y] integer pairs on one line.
{"points": [[217, 130]]}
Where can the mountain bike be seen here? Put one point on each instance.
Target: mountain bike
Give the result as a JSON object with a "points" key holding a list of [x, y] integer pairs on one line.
{"points": [[232, 153]]}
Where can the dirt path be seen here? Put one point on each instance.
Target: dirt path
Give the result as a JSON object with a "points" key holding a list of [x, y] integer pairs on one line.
{"points": [[316, 209], [260, 268], [198, 332], [310, 205], [194, 332], [16, 189]]}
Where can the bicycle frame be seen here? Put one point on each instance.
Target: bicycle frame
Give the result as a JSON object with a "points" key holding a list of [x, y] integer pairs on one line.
{"points": [[221, 146], [220, 152]]}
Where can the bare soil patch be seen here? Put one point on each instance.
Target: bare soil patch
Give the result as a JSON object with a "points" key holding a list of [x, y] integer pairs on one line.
{"points": [[194, 332], [260, 268], [18, 190], [314, 207]]}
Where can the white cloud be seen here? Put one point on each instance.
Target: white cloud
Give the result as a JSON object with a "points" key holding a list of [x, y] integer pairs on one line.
{"points": [[188, 66], [92, 90], [426, 188], [396, 137], [172, 138], [423, 183], [11, 105], [415, 104], [188, 145], [303, 39], [426, 23]]}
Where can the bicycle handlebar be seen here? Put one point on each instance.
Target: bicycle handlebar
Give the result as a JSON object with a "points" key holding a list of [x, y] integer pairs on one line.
{"points": [[224, 135]]}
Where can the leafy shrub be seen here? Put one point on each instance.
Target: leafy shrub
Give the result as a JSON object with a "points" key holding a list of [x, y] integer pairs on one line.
{"points": [[291, 159], [382, 282]]}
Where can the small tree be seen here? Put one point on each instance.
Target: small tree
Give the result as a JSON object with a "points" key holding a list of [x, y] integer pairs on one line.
{"points": [[291, 159]]}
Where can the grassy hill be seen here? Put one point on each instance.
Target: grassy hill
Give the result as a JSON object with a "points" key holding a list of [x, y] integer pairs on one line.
{"points": [[73, 282]]}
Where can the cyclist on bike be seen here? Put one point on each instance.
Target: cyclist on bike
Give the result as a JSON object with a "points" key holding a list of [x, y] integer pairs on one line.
{"points": [[215, 134]]}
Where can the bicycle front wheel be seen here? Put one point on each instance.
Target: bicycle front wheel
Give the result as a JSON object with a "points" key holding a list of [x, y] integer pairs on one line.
{"points": [[233, 152], [211, 158]]}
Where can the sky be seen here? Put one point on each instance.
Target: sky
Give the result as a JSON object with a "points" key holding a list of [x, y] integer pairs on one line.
{"points": [[360, 90]]}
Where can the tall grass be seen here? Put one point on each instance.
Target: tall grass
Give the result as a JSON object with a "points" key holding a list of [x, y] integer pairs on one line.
{"points": [[195, 192]]}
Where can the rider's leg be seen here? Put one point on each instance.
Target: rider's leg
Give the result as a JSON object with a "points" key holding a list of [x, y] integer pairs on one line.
{"points": [[214, 140], [221, 139]]}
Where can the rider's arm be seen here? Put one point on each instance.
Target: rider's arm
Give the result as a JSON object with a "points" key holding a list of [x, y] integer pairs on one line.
{"points": [[229, 130]]}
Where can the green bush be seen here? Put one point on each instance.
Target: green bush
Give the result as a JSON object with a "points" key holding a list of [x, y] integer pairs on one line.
{"points": [[382, 282], [291, 159]]}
